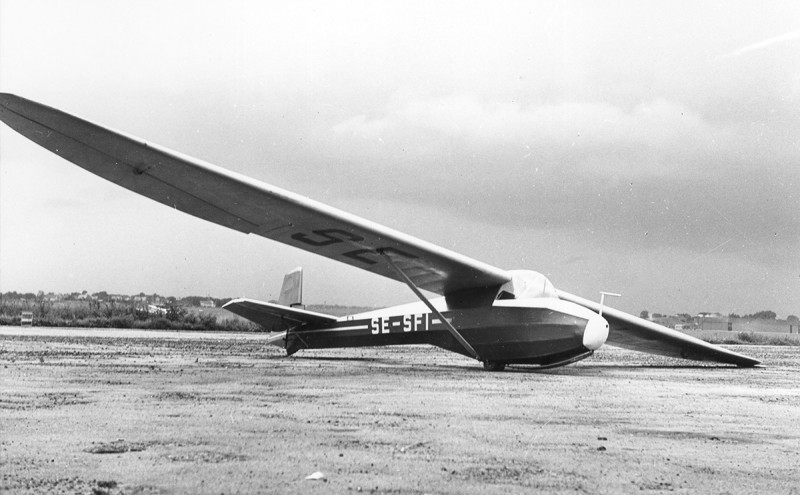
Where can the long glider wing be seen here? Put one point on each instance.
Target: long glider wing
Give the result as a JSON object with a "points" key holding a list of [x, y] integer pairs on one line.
{"points": [[244, 204], [637, 334]]}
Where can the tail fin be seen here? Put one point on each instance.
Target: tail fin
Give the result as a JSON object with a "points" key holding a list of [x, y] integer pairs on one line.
{"points": [[292, 289]]}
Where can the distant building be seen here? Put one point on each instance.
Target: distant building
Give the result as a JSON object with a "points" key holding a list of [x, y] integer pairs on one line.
{"points": [[156, 310], [26, 319], [764, 325], [207, 303], [712, 321], [670, 321]]}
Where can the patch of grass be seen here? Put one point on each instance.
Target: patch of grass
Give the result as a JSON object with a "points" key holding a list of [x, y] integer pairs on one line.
{"points": [[754, 338], [93, 314], [115, 447]]}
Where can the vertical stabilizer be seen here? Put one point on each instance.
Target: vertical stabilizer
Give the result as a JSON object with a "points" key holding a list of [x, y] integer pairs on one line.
{"points": [[292, 289]]}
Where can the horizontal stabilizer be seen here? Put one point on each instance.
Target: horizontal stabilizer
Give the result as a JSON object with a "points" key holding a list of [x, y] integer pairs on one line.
{"points": [[275, 317], [637, 334]]}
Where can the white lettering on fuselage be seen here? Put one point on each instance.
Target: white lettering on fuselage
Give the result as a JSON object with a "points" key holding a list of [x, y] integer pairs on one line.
{"points": [[401, 323]]}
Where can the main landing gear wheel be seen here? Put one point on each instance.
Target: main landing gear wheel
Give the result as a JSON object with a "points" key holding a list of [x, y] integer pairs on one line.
{"points": [[494, 365]]}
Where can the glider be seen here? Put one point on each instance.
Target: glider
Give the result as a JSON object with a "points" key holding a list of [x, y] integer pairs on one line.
{"points": [[496, 316]]}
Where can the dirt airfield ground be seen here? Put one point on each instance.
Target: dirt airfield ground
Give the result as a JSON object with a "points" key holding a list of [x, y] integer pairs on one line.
{"points": [[158, 413]]}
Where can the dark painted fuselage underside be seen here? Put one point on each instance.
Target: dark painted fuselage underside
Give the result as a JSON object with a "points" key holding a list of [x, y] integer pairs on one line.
{"points": [[515, 335]]}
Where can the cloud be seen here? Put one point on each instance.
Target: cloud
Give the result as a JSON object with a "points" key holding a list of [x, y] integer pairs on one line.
{"points": [[657, 122], [649, 128], [363, 127], [652, 175], [578, 129]]}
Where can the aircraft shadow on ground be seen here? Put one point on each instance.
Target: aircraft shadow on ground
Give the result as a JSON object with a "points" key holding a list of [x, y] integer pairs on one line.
{"points": [[594, 370], [583, 369], [341, 359]]}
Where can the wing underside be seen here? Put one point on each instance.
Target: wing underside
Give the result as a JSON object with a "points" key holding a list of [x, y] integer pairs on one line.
{"points": [[637, 334], [244, 204]]}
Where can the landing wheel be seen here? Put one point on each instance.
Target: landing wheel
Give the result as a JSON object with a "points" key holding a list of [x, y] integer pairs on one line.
{"points": [[494, 365]]}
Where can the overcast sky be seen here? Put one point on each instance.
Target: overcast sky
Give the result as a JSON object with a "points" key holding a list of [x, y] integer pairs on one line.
{"points": [[651, 149]]}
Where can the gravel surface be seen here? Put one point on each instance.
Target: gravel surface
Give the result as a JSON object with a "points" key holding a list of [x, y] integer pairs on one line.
{"points": [[161, 413]]}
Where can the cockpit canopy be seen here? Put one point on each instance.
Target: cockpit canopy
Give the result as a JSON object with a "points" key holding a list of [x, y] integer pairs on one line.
{"points": [[526, 284]]}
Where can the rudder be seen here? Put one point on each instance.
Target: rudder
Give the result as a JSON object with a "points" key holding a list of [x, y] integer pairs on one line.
{"points": [[292, 289]]}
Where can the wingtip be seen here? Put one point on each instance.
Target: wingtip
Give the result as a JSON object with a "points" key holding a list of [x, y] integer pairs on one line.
{"points": [[8, 104], [234, 302], [750, 363], [741, 360], [4, 97], [12, 102]]}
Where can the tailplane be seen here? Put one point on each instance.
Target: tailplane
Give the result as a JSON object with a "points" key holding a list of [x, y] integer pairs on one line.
{"points": [[276, 317], [283, 318]]}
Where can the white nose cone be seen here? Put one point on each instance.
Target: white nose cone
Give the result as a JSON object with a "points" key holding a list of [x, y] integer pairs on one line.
{"points": [[595, 333]]}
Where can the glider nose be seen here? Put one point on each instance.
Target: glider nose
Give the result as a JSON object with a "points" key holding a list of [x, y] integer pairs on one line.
{"points": [[595, 333]]}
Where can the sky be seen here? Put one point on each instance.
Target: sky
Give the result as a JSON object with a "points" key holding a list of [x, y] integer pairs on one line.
{"points": [[650, 149]]}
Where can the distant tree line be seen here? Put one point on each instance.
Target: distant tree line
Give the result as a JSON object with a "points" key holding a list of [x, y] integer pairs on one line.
{"points": [[195, 300], [104, 296], [113, 314], [760, 315], [763, 315]]}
